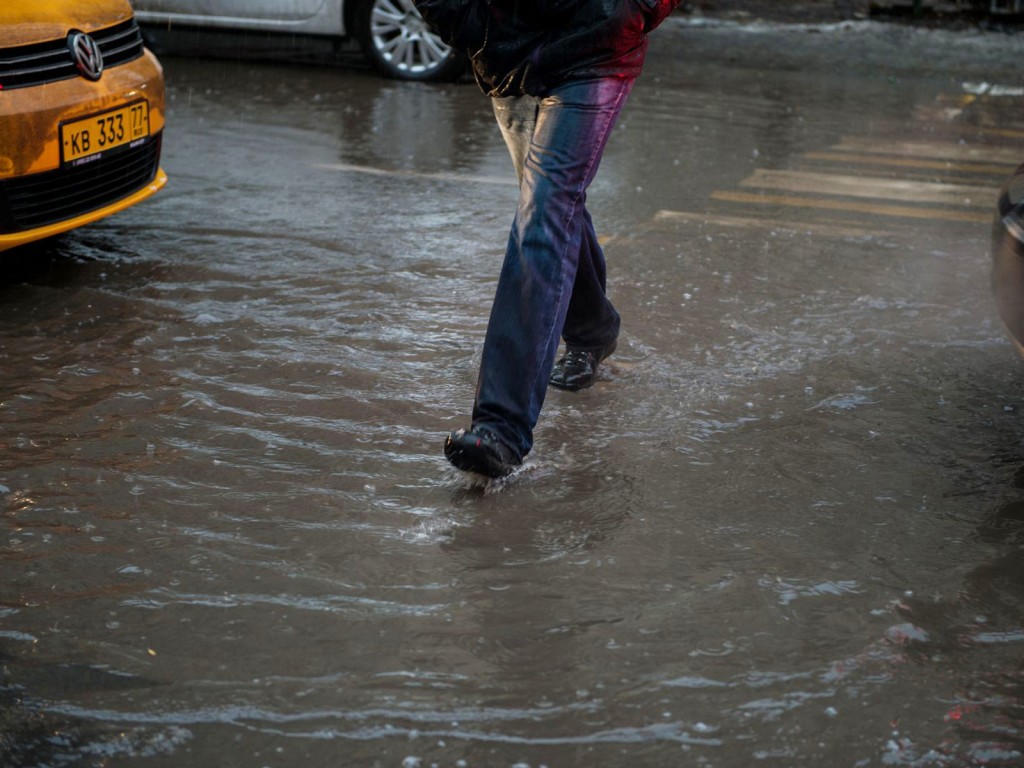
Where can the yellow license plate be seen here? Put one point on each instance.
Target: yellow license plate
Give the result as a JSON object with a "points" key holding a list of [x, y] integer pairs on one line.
{"points": [[96, 134]]}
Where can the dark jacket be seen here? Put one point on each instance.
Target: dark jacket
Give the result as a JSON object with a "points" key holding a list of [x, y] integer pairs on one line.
{"points": [[530, 46]]}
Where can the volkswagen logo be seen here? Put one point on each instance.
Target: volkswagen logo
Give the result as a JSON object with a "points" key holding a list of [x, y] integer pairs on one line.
{"points": [[86, 55]]}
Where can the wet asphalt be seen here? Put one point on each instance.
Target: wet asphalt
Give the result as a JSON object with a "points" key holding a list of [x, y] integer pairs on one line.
{"points": [[783, 529]]}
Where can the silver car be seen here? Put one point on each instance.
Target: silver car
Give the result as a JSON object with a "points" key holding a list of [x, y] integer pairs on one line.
{"points": [[391, 33]]}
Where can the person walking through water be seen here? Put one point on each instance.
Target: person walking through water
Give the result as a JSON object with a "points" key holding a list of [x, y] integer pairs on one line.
{"points": [[558, 73]]}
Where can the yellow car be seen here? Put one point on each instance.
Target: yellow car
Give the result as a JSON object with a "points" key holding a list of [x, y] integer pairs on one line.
{"points": [[81, 116]]}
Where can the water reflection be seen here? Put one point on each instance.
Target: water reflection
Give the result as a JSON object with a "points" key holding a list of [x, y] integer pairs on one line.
{"points": [[975, 637], [72, 390]]}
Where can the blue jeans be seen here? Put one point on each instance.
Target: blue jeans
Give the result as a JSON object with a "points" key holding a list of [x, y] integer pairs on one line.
{"points": [[552, 282]]}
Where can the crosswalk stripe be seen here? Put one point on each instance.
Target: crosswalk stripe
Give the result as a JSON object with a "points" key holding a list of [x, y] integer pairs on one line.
{"points": [[940, 150], [963, 195], [1010, 133], [747, 222], [369, 170], [900, 211], [904, 162]]}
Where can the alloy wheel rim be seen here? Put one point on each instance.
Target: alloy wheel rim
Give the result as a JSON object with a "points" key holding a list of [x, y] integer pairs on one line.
{"points": [[402, 38]]}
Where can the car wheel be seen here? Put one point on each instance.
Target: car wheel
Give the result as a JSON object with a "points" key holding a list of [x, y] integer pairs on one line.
{"points": [[399, 44]]}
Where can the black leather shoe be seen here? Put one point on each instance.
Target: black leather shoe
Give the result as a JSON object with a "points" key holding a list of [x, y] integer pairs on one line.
{"points": [[480, 451], [577, 368]]}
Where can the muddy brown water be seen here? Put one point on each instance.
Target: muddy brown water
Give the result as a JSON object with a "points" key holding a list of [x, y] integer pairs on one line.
{"points": [[783, 529]]}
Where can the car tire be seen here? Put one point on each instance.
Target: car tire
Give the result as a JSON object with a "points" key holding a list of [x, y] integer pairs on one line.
{"points": [[398, 43]]}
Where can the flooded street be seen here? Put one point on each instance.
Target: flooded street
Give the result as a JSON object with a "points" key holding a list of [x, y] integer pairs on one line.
{"points": [[784, 529]]}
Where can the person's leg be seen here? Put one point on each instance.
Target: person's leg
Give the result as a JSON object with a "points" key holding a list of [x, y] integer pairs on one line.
{"points": [[517, 118], [591, 321], [550, 232], [482, 450], [591, 327]]}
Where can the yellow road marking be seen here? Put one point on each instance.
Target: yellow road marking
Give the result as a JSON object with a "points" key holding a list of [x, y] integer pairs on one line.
{"points": [[886, 189], [898, 211]]}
